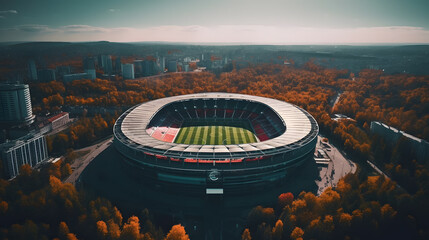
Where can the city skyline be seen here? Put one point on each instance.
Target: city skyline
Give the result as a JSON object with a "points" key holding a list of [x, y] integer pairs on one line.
{"points": [[267, 22]]}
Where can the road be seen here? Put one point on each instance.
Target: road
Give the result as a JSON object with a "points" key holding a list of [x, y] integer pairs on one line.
{"points": [[80, 163], [162, 75], [377, 169], [336, 99], [338, 167]]}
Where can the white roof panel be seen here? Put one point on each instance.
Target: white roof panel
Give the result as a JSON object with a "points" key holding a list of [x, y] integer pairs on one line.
{"points": [[135, 121]]}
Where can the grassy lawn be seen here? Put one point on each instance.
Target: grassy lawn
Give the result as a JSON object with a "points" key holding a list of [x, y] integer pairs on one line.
{"points": [[215, 132]]}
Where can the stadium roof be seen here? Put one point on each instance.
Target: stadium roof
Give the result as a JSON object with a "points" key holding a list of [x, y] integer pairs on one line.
{"points": [[301, 128]]}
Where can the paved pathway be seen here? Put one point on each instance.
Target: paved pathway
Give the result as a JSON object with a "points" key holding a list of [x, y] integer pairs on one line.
{"points": [[80, 163], [337, 168]]}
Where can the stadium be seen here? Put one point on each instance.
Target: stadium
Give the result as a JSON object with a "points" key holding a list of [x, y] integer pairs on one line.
{"points": [[214, 143]]}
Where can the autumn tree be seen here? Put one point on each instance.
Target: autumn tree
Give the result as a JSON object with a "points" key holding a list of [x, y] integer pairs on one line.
{"points": [[285, 199], [246, 235], [29, 230], [177, 232], [63, 230], [278, 230], [131, 229], [297, 234], [259, 215], [114, 230], [101, 229]]}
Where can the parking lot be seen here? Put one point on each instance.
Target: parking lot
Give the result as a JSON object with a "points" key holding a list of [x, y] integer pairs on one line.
{"points": [[333, 165]]}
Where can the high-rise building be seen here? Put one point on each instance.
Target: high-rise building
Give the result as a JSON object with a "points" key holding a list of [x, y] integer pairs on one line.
{"points": [[138, 68], [391, 135], [88, 63], [62, 70], [15, 104], [162, 64], [186, 67], [149, 68], [217, 64], [32, 70], [89, 67], [118, 65], [46, 75], [172, 66], [30, 149], [106, 63], [91, 73], [128, 71]]}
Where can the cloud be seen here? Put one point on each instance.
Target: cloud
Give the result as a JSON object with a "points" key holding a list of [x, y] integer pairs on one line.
{"points": [[113, 10], [32, 28], [256, 34], [9, 11], [83, 29], [5, 12]]}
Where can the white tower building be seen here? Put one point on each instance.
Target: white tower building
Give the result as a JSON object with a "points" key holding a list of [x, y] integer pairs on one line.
{"points": [[15, 104]]}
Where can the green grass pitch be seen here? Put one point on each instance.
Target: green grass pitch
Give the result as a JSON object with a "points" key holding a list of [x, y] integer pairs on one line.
{"points": [[215, 132]]}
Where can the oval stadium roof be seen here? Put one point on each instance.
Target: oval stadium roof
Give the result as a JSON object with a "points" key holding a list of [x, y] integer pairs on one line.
{"points": [[301, 128]]}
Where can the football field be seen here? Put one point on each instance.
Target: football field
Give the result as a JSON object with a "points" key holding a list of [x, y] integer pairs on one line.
{"points": [[215, 133]]}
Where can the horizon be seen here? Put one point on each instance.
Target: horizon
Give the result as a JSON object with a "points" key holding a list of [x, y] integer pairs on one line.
{"points": [[271, 22], [229, 43]]}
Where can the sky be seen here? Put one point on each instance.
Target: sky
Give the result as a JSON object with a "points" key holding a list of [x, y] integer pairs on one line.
{"points": [[217, 21]]}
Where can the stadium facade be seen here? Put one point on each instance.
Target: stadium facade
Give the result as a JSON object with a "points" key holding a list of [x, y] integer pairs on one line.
{"points": [[286, 137]]}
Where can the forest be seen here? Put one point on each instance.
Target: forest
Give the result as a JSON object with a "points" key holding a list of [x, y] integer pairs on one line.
{"points": [[358, 208], [38, 205], [362, 206]]}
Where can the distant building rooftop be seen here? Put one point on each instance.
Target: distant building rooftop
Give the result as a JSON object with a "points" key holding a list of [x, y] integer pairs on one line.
{"points": [[55, 117]]}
